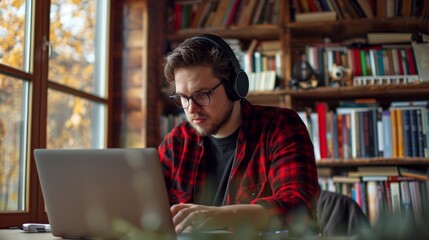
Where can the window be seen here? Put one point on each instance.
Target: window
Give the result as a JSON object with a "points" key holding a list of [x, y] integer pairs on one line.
{"points": [[53, 91], [15, 55], [13, 133], [77, 60]]}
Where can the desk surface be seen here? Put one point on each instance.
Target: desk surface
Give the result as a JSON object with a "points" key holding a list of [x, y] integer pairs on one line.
{"points": [[21, 235], [17, 234]]}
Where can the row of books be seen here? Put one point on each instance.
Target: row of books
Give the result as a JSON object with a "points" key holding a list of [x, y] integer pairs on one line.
{"points": [[261, 60], [380, 191], [379, 64], [223, 13], [364, 130], [370, 64], [329, 10]]}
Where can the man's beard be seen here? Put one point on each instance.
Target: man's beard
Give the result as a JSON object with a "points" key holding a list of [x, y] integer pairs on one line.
{"points": [[212, 130]]}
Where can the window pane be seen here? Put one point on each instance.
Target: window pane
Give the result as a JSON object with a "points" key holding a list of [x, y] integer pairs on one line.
{"points": [[78, 35], [13, 140], [74, 122], [15, 32]]}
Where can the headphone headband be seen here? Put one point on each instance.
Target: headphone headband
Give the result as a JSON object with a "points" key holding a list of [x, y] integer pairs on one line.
{"points": [[237, 87], [221, 45]]}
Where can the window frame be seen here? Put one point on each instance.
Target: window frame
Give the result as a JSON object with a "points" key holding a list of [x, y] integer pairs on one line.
{"points": [[37, 113]]}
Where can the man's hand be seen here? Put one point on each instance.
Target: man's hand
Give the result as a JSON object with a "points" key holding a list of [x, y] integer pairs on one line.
{"points": [[191, 217]]}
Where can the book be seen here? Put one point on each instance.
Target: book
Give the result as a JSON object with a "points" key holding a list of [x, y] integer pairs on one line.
{"points": [[324, 171], [421, 132], [378, 171], [322, 110], [379, 138], [232, 12], [416, 200], [258, 11], [365, 5], [418, 124], [221, 11], [315, 17], [357, 133], [349, 8], [407, 207], [400, 132], [388, 38], [314, 120], [375, 178], [414, 138], [406, 126], [334, 134], [395, 200], [347, 133], [421, 54], [387, 134], [406, 8], [388, 195], [246, 16], [381, 8], [345, 179], [415, 173], [371, 190], [340, 135]]}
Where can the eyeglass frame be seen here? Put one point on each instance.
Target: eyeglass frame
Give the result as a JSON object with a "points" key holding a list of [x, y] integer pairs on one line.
{"points": [[188, 98]]}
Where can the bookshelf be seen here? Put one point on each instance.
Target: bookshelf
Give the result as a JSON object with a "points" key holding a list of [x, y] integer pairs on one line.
{"points": [[373, 161], [297, 36]]}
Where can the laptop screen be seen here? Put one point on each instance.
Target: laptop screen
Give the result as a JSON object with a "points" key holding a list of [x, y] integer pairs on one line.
{"points": [[103, 192]]}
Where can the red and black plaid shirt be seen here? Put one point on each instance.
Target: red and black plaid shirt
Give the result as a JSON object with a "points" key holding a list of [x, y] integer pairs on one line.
{"points": [[274, 164]]}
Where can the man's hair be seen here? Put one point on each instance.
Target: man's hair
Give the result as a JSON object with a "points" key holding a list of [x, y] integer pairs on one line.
{"points": [[193, 53]]}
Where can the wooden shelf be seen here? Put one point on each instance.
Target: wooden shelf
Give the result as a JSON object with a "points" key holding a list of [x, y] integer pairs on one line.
{"points": [[376, 91], [263, 32], [371, 161], [307, 33], [360, 25]]}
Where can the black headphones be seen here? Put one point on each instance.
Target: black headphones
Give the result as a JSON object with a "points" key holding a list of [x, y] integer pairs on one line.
{"points": [[237, 87]]}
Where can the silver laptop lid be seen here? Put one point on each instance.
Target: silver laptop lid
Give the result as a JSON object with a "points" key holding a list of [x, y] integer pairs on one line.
{"points": [[103, 192]]}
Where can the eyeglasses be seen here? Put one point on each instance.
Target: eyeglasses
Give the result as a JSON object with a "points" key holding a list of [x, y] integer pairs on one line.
{"points": [[200, 98]]}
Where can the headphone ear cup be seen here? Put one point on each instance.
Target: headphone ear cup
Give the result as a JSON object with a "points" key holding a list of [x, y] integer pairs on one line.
{"points": [[241, 84], [238, 87]]}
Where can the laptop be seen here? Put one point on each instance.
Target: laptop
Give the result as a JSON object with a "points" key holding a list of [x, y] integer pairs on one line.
{"points": [[104, 193]]}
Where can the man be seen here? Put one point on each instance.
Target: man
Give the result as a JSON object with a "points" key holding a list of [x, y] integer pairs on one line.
{"points": [[232, 164]]}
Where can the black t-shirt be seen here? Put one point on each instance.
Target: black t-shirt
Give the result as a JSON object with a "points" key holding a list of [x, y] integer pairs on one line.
{"points": [[221, 152]]}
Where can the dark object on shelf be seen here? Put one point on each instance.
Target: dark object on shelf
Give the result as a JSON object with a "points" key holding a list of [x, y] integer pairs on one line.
{"points": [[303, 74]]}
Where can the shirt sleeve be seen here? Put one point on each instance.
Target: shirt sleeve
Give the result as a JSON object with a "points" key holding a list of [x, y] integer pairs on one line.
{"points": [[293, 173]]}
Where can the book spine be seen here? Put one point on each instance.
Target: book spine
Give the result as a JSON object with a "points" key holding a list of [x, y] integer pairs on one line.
{"points": [[396, 200], [321, 109], [371, 188], [394, 130], [407, 133], [400, 127], [387, 134], [363, 62], [415, 144], [406, 198]]}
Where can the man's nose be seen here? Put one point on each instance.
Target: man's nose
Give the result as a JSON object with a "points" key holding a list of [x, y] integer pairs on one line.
{"points": [[193, 106]]}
